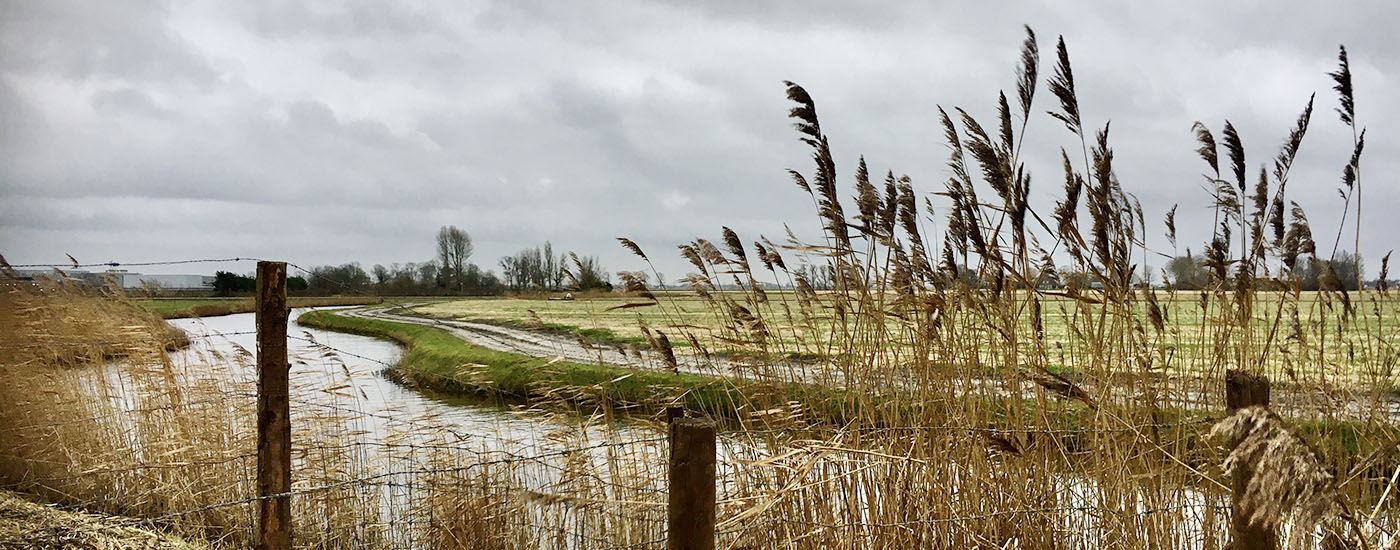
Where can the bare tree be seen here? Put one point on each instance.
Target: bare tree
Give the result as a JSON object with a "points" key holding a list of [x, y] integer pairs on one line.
{"points": [[551, 267], [454, 247], [534, 268]]}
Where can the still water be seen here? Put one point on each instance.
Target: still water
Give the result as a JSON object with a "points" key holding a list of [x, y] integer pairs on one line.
{"points": [[401, 436], [323, 362]]}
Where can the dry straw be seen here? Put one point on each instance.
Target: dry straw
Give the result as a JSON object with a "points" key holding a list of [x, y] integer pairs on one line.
{"points": [[950, 396]]}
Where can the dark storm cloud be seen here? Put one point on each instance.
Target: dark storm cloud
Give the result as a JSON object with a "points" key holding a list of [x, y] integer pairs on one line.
{"points": [[351, 131]]}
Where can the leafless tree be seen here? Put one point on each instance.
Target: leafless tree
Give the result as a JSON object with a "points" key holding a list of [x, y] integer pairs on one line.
{"points": [[454, 247]]}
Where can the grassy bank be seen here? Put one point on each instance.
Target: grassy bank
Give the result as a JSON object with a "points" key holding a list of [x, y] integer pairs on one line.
{"points": [[1188, 329], [439, 361], [178, 308]]}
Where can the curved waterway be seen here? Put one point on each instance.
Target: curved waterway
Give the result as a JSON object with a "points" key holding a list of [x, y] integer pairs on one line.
{"points": [[324, 362], [568, 460], [407, 446]]}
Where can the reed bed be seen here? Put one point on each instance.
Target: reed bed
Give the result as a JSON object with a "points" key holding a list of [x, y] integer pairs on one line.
{"points": [[959, 424], [1005, 412], [167, 442]]}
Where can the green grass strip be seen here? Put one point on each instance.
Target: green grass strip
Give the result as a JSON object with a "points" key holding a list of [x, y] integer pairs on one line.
{"points": [[442, 362]]}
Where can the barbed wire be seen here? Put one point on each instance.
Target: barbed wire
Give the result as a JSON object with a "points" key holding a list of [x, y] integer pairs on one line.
{"points": [[967, 428], [112, 263], [138, 468], [606, 544], [1101, 510], [379, 476], [221, 400], [76, 265], [505, 457]]}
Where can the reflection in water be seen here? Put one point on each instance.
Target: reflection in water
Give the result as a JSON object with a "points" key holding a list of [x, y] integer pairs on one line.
{"points": [[324, 362], [403, 441], [575, 482]]}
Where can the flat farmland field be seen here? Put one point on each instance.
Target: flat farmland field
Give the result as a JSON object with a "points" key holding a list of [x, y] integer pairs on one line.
{"points": [[1302, 331]]}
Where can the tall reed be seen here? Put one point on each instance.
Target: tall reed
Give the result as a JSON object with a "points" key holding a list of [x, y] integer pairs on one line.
{"points": [[971, 405], [989, 408]]}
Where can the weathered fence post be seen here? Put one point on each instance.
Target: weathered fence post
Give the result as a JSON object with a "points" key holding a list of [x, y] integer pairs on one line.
{"points": [[690, 508], [274, 421], [1245, 390]]}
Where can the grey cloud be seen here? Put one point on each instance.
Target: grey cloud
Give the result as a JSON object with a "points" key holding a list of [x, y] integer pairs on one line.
{"points": [[83, 40], [128, 101], [352, 131], [358, 67], [354, 19]]}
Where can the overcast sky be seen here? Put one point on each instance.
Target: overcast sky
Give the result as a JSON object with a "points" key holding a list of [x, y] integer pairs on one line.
{"points": [[140, 130]]}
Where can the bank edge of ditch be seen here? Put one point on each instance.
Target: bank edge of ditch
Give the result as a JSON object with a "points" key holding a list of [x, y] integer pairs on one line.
{"points": [[441, 362]]}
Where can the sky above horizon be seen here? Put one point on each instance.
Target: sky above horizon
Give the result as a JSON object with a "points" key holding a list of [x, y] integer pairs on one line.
{"points": [[154, 131]]}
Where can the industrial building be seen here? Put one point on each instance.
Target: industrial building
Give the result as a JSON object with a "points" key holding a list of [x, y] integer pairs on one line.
{"points": [[126, 279]]}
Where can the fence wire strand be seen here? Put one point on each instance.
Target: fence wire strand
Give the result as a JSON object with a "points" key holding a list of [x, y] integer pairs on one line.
{"points": [[648, 514]]}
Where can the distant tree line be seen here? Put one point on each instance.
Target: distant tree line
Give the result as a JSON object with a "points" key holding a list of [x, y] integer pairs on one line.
{"points": [[538, 268], [1343, 271], [450, 273], [819, 277], [231, 284], [534, 268], [1187, 272]]}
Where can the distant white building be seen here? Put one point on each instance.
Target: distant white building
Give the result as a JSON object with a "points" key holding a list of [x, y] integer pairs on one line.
{"points": [[163, 282], [126, 279]]}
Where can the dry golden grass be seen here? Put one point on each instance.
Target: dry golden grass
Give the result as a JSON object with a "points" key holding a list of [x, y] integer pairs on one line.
{"points": [[132, 431], [952, 459], [961, 424], [28, 525]]}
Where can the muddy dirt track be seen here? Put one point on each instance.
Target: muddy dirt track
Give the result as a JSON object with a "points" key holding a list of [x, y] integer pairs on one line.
{"points": [[551, 345], [539, 344], [1187, 392]]}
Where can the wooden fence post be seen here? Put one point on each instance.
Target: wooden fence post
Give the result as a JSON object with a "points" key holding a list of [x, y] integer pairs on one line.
{"points": [[274, 421], [690, 508], [1245, 390]]}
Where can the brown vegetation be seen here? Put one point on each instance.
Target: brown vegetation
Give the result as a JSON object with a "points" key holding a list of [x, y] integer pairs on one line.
{"points": [[961, 427]]}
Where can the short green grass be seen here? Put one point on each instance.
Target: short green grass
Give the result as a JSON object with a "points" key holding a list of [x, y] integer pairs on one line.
{"points": [[1188, 334], [442, 362]]}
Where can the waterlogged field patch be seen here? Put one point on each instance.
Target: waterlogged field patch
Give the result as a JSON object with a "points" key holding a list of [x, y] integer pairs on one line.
{"points": [[1186, 342], [600, 317]]}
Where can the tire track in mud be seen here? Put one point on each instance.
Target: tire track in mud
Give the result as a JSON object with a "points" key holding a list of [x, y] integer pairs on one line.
{"points": [[1180, 392], [542, 345]]}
